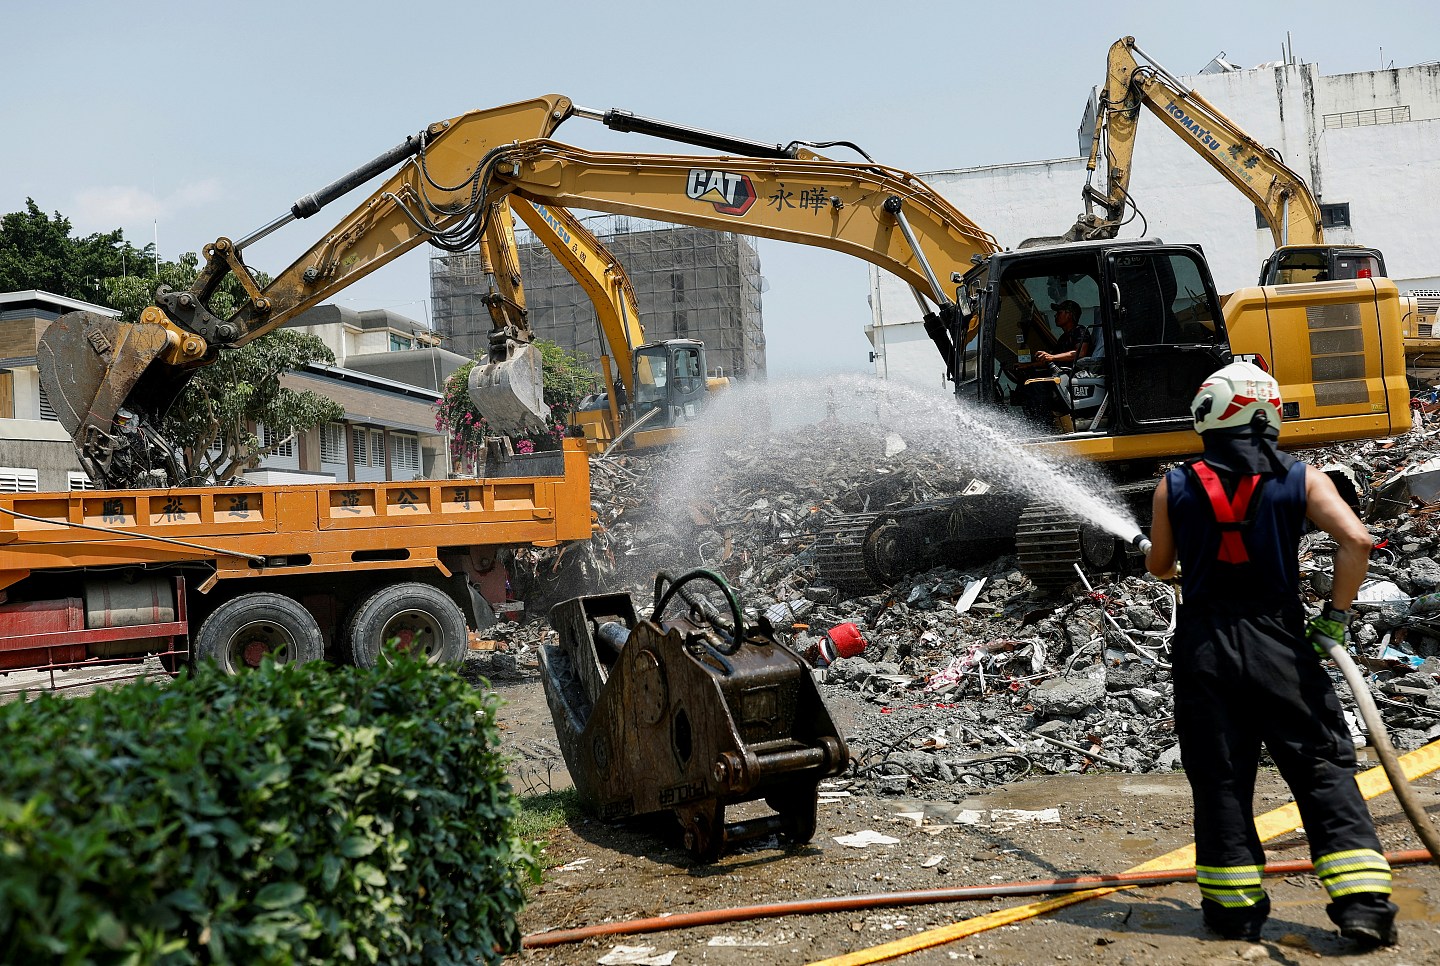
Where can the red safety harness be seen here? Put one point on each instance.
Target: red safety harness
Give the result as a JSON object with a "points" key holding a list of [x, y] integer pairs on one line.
{"points": [[1231, 514]]}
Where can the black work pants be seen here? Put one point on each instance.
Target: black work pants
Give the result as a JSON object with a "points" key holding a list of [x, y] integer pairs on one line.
{"points": [[1244, 676]]}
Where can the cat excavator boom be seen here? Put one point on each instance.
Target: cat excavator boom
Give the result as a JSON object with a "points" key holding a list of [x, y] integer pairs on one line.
{"points": [[112, 382]]}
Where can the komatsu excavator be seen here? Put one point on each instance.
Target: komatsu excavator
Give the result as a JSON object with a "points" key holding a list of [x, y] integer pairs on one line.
{"points": [[1153, 307], [1134, 79], [1302, 256]]}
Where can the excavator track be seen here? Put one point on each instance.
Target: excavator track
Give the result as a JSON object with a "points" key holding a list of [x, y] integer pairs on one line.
{"points": [[863, 553], [1047, 543], [841, 557]]}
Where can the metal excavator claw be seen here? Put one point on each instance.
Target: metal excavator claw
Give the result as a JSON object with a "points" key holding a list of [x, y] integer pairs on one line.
{"points": [[687, 716], [99, 376], [508, 390]]}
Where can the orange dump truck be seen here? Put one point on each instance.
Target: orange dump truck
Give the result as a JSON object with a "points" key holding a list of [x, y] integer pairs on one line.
{"points": [[298, 572]]}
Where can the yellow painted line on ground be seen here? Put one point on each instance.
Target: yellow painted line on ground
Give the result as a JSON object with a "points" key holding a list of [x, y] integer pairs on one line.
{"points": [[1372, 782]]}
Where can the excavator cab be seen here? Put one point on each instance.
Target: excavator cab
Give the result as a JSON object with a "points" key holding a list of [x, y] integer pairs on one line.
{"points": [[1152, 331], [669, 383], [1295, 264]]}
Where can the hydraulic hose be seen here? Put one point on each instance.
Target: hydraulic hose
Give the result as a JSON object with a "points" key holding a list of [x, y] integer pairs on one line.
{"points": [[1380, 740], [879, 900]]}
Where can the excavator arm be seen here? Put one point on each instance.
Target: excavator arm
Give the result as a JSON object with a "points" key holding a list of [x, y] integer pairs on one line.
{"points": [[603, 279], [1281, 194], [113, 382]]}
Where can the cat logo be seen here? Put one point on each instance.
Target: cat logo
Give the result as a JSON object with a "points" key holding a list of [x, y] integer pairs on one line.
{"points": [[730, 193]]}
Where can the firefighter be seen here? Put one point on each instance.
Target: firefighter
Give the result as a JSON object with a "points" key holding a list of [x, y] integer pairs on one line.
{"points": [[1245, 671]]}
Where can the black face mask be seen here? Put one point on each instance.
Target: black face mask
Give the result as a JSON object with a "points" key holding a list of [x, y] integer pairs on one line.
{"points": [[1247, 451]]}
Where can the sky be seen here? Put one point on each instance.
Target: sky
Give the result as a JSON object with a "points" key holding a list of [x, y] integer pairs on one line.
{"points": [[181, 123]]}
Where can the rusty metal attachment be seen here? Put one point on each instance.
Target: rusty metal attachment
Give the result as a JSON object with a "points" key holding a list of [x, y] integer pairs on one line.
{"points": [[99, 376], [688, 715]]}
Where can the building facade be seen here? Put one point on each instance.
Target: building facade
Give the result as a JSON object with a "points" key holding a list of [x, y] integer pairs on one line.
{"points": [[691, 283], [1367, 144], [389, 373]]}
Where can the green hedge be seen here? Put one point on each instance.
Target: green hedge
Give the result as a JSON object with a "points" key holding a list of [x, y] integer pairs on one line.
{"points": [[308, 814]]}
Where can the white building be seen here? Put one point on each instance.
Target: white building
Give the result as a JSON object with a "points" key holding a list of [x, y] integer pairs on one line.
{"points": [[1368, 145]]}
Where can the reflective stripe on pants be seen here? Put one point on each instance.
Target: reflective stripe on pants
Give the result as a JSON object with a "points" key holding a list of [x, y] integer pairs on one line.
{"points": [[1352, 871], [1231, 886]]}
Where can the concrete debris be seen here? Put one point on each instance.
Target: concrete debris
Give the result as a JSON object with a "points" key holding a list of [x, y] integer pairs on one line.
{"points": [[1002, 818], [865, 838], [970, 679], [637, 956]]}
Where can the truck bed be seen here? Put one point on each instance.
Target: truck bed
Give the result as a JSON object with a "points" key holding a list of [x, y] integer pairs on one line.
{"points": [[301, 528]]}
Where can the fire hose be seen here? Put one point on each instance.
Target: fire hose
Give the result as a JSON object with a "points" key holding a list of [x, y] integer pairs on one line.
{"points": [[711, 917], [1380, 740]]}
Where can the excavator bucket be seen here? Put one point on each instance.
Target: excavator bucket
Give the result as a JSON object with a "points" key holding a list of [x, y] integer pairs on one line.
{"points": [[90, 366], [510, 394]]}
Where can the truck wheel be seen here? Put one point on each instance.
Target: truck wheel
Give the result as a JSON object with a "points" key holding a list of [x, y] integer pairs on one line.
{"points": [[243, 631], [415, 618]]}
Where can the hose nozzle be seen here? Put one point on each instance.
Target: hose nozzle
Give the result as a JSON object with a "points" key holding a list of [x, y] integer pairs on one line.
{"points": [[1140, 543]]}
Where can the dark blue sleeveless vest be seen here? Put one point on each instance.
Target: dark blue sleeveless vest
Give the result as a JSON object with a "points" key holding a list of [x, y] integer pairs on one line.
{"points": [[1270, 578]]}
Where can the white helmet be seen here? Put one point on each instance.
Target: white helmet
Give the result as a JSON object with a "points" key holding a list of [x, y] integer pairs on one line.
{"points": [[1234, 396]]}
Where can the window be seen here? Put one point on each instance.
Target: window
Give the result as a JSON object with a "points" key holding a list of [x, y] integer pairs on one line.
{"points": [[399, 342], [79, 481], [46, 410], [278, 445], [360, 437], [1304, 265], [1335, 216], [404, 456], [1163, 300], [377, 447], [16, 479], [1331, 216], [332, 443]]}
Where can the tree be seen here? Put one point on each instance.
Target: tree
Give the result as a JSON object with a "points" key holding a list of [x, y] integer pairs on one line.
{"points": [[211, 419], [38, 252], [566, 379]]}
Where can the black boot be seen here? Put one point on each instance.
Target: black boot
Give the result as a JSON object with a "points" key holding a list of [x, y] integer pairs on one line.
{"points": [[1367, 919], [1243, 924]]}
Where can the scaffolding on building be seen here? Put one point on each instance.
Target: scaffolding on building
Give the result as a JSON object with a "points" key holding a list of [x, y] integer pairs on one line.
{"points": [[691, 283]]}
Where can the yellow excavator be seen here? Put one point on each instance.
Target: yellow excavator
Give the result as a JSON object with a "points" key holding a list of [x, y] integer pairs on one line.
{"points": [[1134, 79], [1158, 324], [651, 389]]}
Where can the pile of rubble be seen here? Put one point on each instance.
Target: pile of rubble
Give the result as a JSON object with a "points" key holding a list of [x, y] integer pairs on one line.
{"points": [[970, 677]]}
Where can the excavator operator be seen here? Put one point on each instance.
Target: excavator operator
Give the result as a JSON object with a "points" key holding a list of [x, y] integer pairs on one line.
{"points": [[1245, 664], [1074, 342]]}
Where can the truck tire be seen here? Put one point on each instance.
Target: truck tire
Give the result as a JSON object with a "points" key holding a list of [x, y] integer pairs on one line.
{"points": [[244, 630], [420, 619]]}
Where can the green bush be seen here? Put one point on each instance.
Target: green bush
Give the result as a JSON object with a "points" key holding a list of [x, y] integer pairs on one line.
{"points": [[307, 814]]}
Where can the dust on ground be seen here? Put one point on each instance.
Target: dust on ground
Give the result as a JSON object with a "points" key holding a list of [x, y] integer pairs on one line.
{"points": [[1108, 823]]}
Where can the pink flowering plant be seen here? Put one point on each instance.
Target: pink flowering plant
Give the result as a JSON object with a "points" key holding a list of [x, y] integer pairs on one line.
{"points": [[567, 378]]}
